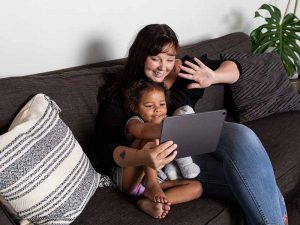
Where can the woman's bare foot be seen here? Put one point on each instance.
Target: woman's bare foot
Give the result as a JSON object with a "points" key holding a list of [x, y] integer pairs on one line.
{"points": [[155, 193], [154, 209]]}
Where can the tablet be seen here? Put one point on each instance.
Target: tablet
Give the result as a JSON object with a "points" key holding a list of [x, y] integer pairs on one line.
{"points": [[194, 134]]}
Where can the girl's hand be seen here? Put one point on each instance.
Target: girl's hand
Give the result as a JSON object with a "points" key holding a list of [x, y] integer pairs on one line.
{"points": [[157, 156], [201, 74]]}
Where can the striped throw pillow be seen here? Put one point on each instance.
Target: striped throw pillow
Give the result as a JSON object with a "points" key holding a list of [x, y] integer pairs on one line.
{"points": [[263, 87], [44, 174]]}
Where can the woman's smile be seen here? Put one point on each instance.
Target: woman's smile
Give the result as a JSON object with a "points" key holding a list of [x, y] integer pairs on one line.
{"points": [[159, 73], [157, 67]]}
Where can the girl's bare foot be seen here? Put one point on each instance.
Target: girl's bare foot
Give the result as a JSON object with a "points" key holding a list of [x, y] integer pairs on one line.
{"points": [[154, 209], [155, 193]]}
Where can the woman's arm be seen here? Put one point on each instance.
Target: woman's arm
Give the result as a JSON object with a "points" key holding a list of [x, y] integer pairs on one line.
{"points": [[152, 155], [140, 130], [203, 76], [227, 73]]}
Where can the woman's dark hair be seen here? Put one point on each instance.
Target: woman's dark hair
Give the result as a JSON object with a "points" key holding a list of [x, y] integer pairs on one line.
{"points": [[151, 40], [137, 88]]}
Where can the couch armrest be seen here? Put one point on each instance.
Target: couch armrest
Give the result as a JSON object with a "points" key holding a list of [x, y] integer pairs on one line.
{"points": [[5, 219]]}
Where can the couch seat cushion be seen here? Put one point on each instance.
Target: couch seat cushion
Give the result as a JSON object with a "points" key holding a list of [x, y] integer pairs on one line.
{"points": [[108, 206]]}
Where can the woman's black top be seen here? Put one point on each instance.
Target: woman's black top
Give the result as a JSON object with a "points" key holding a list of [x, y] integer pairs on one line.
{"points": [[112, 119]]}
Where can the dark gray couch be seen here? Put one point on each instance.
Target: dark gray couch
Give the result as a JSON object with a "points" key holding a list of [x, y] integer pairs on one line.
{"points": [[75, 91]]}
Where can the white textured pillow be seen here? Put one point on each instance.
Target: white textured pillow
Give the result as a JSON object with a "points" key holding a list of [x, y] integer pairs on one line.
{"points": [[44, 174]]}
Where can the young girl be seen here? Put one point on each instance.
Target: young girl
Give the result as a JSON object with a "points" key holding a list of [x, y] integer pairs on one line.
{"points": [[148, 101]]}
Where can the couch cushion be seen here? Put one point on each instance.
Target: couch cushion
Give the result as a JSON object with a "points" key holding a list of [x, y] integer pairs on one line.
{"points": [[110, 207], [5, 218], [263, 88], [212, 99], [280, 134], [235, 42], [75, 91]]}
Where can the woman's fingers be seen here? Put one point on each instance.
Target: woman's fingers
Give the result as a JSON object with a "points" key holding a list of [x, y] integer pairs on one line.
{"points": [[202, 75], [201, 64], [186, 76], [187, 69], [194, 85], [194, 66], [191, 69]]}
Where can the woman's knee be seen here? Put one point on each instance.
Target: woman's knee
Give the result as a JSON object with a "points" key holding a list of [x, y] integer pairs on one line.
{"points": [[237, 129], [239, 142], [235, 134], [243, 147]]}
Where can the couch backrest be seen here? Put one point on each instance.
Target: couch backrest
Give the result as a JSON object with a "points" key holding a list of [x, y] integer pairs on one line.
{"points": [[75, 90]]}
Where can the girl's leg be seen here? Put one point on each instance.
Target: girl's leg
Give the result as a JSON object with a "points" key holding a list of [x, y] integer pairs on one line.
{"points": [[131, 179], [179, 191], [153, 190], [242, 171], [154, 209]]}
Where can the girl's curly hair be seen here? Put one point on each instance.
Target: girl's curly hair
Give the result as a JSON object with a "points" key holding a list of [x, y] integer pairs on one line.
{"points": [[137, 88]]}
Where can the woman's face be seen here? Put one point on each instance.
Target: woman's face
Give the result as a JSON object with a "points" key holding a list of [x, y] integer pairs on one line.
{"points": [[157, 67], [152, 106]]}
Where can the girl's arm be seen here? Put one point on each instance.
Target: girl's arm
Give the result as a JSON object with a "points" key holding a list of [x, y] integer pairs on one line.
{"points": [[152, 155], [110, 143], [141, 130]]}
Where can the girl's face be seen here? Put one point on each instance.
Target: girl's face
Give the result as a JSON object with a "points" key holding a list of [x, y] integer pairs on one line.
{"points": [[152, 106], [157, 67]]}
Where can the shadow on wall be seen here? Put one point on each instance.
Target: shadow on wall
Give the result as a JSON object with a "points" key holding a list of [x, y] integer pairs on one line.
{"points": [[95, 51], [235, 21]]}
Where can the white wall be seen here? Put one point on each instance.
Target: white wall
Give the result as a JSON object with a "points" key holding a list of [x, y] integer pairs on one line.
{"points": [[44, 35]]}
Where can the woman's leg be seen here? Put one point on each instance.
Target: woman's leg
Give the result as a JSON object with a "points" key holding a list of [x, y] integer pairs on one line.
{"points": [[242, 171], [283, 207]]}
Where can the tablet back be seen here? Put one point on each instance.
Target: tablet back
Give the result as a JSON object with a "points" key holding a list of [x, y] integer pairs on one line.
{"points": [[194, 134]]}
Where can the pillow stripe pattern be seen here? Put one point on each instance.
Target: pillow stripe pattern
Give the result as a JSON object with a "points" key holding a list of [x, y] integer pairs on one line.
{"points": [[44, 174], [263, 88], [9, 152], [39, 174]]}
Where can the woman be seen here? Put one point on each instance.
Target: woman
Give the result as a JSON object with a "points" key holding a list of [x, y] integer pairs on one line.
{"points": [[239, 169]]}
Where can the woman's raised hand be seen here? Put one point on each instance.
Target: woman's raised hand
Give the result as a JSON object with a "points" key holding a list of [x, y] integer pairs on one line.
{"points": [[158, 155], [202, 75]]}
